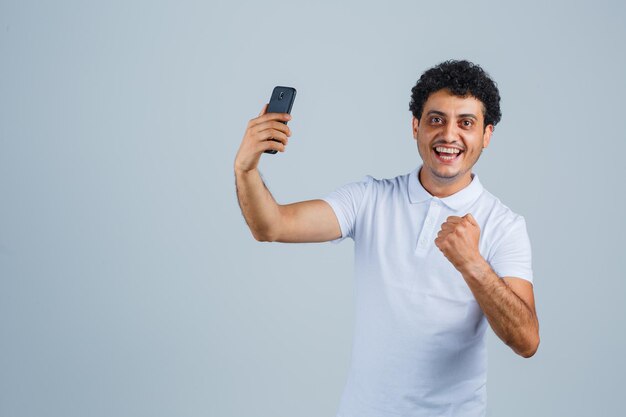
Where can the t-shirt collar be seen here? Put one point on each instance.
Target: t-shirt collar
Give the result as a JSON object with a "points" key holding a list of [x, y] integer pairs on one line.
{"points": [[456, 201]]}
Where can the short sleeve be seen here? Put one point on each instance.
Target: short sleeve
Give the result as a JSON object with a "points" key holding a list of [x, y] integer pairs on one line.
{"points": [[345, 202], [512, 256]]}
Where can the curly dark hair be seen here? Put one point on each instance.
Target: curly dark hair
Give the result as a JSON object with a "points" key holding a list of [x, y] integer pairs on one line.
{"points": [[462, 78]]}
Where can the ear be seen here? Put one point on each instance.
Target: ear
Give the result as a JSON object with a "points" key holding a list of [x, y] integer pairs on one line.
{"points": [[487, 135], [416, 124]]}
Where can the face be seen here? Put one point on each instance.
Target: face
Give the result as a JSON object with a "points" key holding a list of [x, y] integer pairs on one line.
{"points": [[450, 137]]}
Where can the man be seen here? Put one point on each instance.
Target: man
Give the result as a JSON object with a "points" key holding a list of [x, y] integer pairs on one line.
{"points": [[436, 255]]}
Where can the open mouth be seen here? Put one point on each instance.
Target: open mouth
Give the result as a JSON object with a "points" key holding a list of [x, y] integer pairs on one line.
{"points": [[447, 154]]}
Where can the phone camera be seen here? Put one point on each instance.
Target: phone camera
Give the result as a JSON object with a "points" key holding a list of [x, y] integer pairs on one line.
{"points": [[281, 95]]}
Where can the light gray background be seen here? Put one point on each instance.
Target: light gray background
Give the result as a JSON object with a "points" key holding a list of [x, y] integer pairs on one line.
{"points": [[129, 282]]}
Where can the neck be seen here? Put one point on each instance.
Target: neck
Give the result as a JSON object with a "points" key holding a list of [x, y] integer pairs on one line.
{"points": [[443, 187]]}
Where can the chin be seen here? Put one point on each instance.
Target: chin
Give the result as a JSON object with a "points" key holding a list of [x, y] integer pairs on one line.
{"points": [[446, 174]]}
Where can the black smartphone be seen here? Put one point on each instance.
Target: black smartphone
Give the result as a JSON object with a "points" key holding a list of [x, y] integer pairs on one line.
{"points": [[281, 102]]}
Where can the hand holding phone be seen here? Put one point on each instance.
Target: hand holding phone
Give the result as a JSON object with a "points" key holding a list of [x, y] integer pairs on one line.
{"points": [[281, 101], [268, 132]]}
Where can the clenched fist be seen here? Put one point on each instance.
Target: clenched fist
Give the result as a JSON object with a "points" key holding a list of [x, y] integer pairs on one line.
{"points": [[458, 240]]}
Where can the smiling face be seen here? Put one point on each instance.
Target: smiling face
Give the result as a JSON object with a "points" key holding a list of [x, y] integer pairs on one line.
{"points": [[450, 137]]}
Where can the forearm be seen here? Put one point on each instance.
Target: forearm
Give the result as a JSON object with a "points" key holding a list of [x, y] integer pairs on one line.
{"points": [[510, 317], [257, 204]]}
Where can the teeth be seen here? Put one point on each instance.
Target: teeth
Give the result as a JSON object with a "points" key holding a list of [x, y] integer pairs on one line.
{"points": [[441, 149]]}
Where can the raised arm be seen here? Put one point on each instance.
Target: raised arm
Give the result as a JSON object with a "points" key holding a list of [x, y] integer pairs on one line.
{"points": [[508, 302], [306, 221]]}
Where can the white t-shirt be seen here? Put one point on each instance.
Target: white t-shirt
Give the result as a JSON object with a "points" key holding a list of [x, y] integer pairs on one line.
{"points": [[419, 347]]}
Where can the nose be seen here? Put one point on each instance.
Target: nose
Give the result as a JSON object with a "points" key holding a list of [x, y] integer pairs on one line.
{"points": [[450, 132]]}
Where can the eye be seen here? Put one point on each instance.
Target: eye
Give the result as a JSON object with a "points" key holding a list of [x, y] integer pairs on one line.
{"points": [[435, 120], [467, 123]]}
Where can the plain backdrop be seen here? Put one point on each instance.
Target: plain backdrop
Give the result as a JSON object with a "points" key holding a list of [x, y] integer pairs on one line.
{"points": [[130, 284]]}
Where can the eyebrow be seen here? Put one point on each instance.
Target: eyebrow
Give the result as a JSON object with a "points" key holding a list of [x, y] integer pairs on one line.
{"points": [[440, 113]]}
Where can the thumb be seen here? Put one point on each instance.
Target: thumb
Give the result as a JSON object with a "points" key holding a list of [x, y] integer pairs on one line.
{"points": [[264, 110], [471, 219]]}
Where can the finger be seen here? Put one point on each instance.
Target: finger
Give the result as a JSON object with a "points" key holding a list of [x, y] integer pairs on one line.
{"points": [[447, 226], [272, 134], [273, 145], [281, 127], [257, 120], [454, 219], [471, 219], [281, 117]]}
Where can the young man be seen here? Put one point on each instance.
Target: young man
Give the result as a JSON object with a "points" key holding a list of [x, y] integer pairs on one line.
{"points": [[436, 255]]}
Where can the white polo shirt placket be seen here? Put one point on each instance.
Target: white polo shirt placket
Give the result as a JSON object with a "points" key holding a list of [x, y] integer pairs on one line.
{"points": [[430, 229]]}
